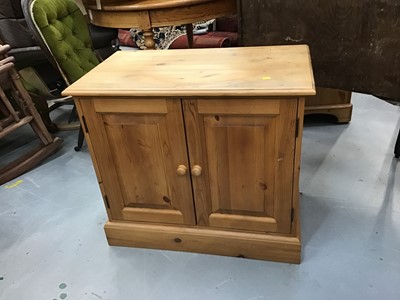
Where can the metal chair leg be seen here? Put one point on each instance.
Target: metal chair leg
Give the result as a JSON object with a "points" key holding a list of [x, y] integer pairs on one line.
{"points": [[397, 146], [80, 139]]}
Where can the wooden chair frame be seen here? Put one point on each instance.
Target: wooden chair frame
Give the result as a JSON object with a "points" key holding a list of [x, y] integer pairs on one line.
{"points": [[14, 118]]}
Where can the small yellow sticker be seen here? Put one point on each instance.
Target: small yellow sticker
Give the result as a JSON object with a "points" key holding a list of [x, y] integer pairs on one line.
{"points": [[14, 185], [266, 78]]}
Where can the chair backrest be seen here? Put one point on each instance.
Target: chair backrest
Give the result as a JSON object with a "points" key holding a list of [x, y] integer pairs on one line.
{"points": [[62, 31], [6, 109], [15, 32]]}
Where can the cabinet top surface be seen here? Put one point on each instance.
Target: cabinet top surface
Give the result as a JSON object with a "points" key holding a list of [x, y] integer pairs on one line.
{"points": [[242, 72]]}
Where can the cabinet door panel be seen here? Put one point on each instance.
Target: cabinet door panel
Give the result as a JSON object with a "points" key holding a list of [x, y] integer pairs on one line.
{"points": [[246, 152], [145, 144]]}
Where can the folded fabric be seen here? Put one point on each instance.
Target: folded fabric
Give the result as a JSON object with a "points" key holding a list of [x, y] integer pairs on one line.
{"points": [[175, 38], [232, 36], [209, 40], [125, 38], [164, 36]]}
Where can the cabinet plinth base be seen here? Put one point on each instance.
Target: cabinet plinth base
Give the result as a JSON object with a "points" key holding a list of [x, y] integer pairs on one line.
{"points": [[203, 240]]}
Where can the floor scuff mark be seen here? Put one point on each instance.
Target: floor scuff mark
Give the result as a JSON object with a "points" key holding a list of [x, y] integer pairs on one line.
{"points": [[223, 283]]}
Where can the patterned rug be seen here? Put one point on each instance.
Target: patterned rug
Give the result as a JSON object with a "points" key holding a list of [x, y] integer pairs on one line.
{"points": [[165, 36]]}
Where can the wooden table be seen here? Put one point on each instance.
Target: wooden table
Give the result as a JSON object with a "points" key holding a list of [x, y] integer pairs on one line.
{"points": [[147, 14], [202, 152]]}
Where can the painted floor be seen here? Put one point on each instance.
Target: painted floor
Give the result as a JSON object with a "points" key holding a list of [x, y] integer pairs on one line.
{"points": [[52, 244]]}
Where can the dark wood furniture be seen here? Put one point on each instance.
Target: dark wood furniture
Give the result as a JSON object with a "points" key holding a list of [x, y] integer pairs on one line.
{"points": [[156, 13], [12, 119], [354, 44], [330, 102]]}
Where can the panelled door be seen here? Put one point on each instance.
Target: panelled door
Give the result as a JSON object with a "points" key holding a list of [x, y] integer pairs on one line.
{"points": [[140, 148], [241, 156]]}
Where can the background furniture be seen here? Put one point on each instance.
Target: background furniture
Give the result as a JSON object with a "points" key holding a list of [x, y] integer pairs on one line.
{"points": [[202, 153], [11, 119], [354, 44], [15, 32], [34, 63], [156, 13], [331, 102], [73, 55]]}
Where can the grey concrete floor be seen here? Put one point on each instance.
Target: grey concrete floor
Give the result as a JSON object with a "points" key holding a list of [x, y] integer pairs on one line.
{"points": [[52, 244]]}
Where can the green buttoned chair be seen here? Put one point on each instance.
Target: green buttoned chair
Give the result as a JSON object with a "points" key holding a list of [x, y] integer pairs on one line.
{"points": [[63, 33]]}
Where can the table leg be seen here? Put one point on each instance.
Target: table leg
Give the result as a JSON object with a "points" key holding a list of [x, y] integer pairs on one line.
{"points": [[149, 39], [397, 146], [189, 34]]}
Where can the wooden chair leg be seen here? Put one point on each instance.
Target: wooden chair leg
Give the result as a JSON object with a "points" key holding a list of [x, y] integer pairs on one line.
{"points": [[189, 34], [29, 160], [80, 139], [397, 146], [37, 123], [8, 105], [149, 39], [14, 119]]}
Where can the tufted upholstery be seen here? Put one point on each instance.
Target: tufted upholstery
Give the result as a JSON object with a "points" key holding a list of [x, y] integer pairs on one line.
{"points": [[65, 30]]}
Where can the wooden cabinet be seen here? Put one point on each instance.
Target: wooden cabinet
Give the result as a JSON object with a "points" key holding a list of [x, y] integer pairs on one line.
{"points": [[207, 171]]}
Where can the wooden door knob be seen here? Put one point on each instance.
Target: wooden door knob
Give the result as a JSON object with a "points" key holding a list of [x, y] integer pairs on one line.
{"points": [[196, 170], [181, 170]]}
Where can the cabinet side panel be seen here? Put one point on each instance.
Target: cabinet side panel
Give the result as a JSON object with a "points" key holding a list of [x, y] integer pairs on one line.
{"points": [[285, 145], [104, 159], [296, 171], [81, 114]]}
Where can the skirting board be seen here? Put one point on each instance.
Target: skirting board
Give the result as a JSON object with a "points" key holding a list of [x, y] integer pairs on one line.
{"points": [[204, 240]]}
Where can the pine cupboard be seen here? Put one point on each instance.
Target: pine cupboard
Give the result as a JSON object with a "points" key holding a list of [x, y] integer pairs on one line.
{"points": [[199, 150]]}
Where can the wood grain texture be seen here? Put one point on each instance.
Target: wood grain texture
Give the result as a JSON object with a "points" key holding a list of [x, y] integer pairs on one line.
{"points": [[328, 97], [100, 149], [247, 163], [139, 5], [354, 44], [202, 240], [77, 102], [145, 143], [215, 172], [331, 102], [17, 113], [157, 13], [238, 106], [244, 222], [126, 106], [153, 215], [296, 171], [15, 125], [240, 72]]}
